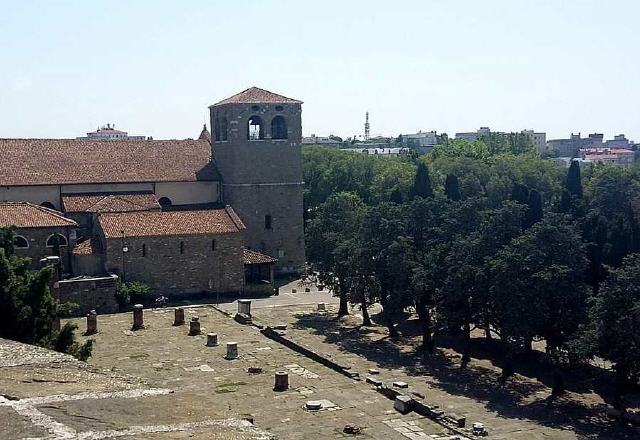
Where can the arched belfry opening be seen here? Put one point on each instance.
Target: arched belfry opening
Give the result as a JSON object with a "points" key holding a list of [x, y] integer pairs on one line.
{"points": [[255, 129], [279, 128]]}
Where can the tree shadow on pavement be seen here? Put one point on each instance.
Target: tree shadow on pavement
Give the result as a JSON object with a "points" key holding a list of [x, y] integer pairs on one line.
{"points": [[520, 398]]}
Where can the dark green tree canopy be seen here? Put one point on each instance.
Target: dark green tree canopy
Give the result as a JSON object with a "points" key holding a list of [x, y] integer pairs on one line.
{"points": [[422, 183]]}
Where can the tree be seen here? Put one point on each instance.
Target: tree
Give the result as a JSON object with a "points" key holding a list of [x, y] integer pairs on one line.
{"points": [[389, 252], [396, 196], [464, 296], [27, 308], [421, 184], [615, 324], [328, 237], [451, 188], [534, 209], [538, 288], [574, 181], [432, 225]]}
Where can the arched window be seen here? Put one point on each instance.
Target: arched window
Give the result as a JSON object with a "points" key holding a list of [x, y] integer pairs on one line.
{"points": [[20, 242], [165, 202], [255, 131], [144, 250], [267, 221], [278, 128], [182, 247], [220, 129], [47, 205], [58, 239]]}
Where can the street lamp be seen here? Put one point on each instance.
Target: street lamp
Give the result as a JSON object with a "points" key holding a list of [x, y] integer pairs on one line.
{"points": [[125, 249]]}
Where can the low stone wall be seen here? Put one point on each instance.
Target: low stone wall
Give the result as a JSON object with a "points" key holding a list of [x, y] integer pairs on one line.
{"points": [[90, 293], [342, 369]]}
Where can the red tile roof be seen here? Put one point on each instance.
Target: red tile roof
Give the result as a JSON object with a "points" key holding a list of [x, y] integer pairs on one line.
{"points": [[255, 95], [158, 223], [67, 161], [110, 203], [28, 215], [253, 257]]}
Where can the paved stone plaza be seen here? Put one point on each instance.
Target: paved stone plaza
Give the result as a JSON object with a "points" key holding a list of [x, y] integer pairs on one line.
{"points": [[160, 383]]}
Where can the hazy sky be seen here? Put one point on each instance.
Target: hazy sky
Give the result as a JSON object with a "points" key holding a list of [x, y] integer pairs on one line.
{"points": [[153, 67]]}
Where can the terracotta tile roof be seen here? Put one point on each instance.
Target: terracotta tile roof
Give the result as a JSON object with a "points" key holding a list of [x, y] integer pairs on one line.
{"points": [[255, 95], [110, 203], [159, 223], [90, 246], [60, 161], [253, 257], [28, 215]]}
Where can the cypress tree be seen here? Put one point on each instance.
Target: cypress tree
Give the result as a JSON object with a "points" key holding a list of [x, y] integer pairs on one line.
{"points": [[534, 211], [421, 184], [520, 194], [396, 196], [574, 181], [451, 188]]}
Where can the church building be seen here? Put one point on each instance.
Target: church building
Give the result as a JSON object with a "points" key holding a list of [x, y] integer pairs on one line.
{"points": [[220, 213]]}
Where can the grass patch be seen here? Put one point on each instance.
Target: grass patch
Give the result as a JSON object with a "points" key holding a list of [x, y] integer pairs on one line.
{"points": [[139, 356], [228, 387]]}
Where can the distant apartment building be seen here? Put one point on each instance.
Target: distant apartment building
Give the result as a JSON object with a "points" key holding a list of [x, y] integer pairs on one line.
{"points": [[614, 156], [539, 140], [378, 151], [420, 139], [569, 147], [619, 141], [472, 136], [325, 141], [109, 133]]}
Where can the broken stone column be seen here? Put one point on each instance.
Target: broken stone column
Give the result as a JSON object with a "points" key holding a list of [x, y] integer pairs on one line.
{"points": [[212, 339], [92, 323], [178, 316], [194, 326], [244, 307], [232, 350], [138, 318], [282, 381]]}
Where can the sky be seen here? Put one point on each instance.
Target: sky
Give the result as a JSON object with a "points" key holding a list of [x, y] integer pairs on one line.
{"points": [[153, 67]]}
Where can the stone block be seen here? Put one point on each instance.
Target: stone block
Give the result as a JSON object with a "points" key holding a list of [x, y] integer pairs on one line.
{"points": [[403, 404], [374, 381]]}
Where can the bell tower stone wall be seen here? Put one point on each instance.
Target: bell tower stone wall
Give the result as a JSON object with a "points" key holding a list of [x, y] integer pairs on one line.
{"points": [[257, 149]]}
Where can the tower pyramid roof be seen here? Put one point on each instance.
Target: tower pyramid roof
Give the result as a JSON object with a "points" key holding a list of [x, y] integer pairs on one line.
{"points": [[255, 95]]}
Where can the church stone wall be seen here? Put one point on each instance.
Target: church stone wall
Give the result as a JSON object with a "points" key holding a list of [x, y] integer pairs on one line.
{"points": [[37, 238], [187, 193], [36, 194], [168, 271]]}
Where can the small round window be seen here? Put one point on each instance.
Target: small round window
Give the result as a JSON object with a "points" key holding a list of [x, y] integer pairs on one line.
{"points": [[255, 108], [279, 108]]}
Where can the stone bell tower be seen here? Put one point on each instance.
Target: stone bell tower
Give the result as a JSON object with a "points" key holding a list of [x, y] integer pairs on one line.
{"points": [[256, 141]]}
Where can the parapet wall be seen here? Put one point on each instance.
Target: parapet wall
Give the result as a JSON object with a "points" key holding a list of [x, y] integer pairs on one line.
{"points": [[90, 293]]}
